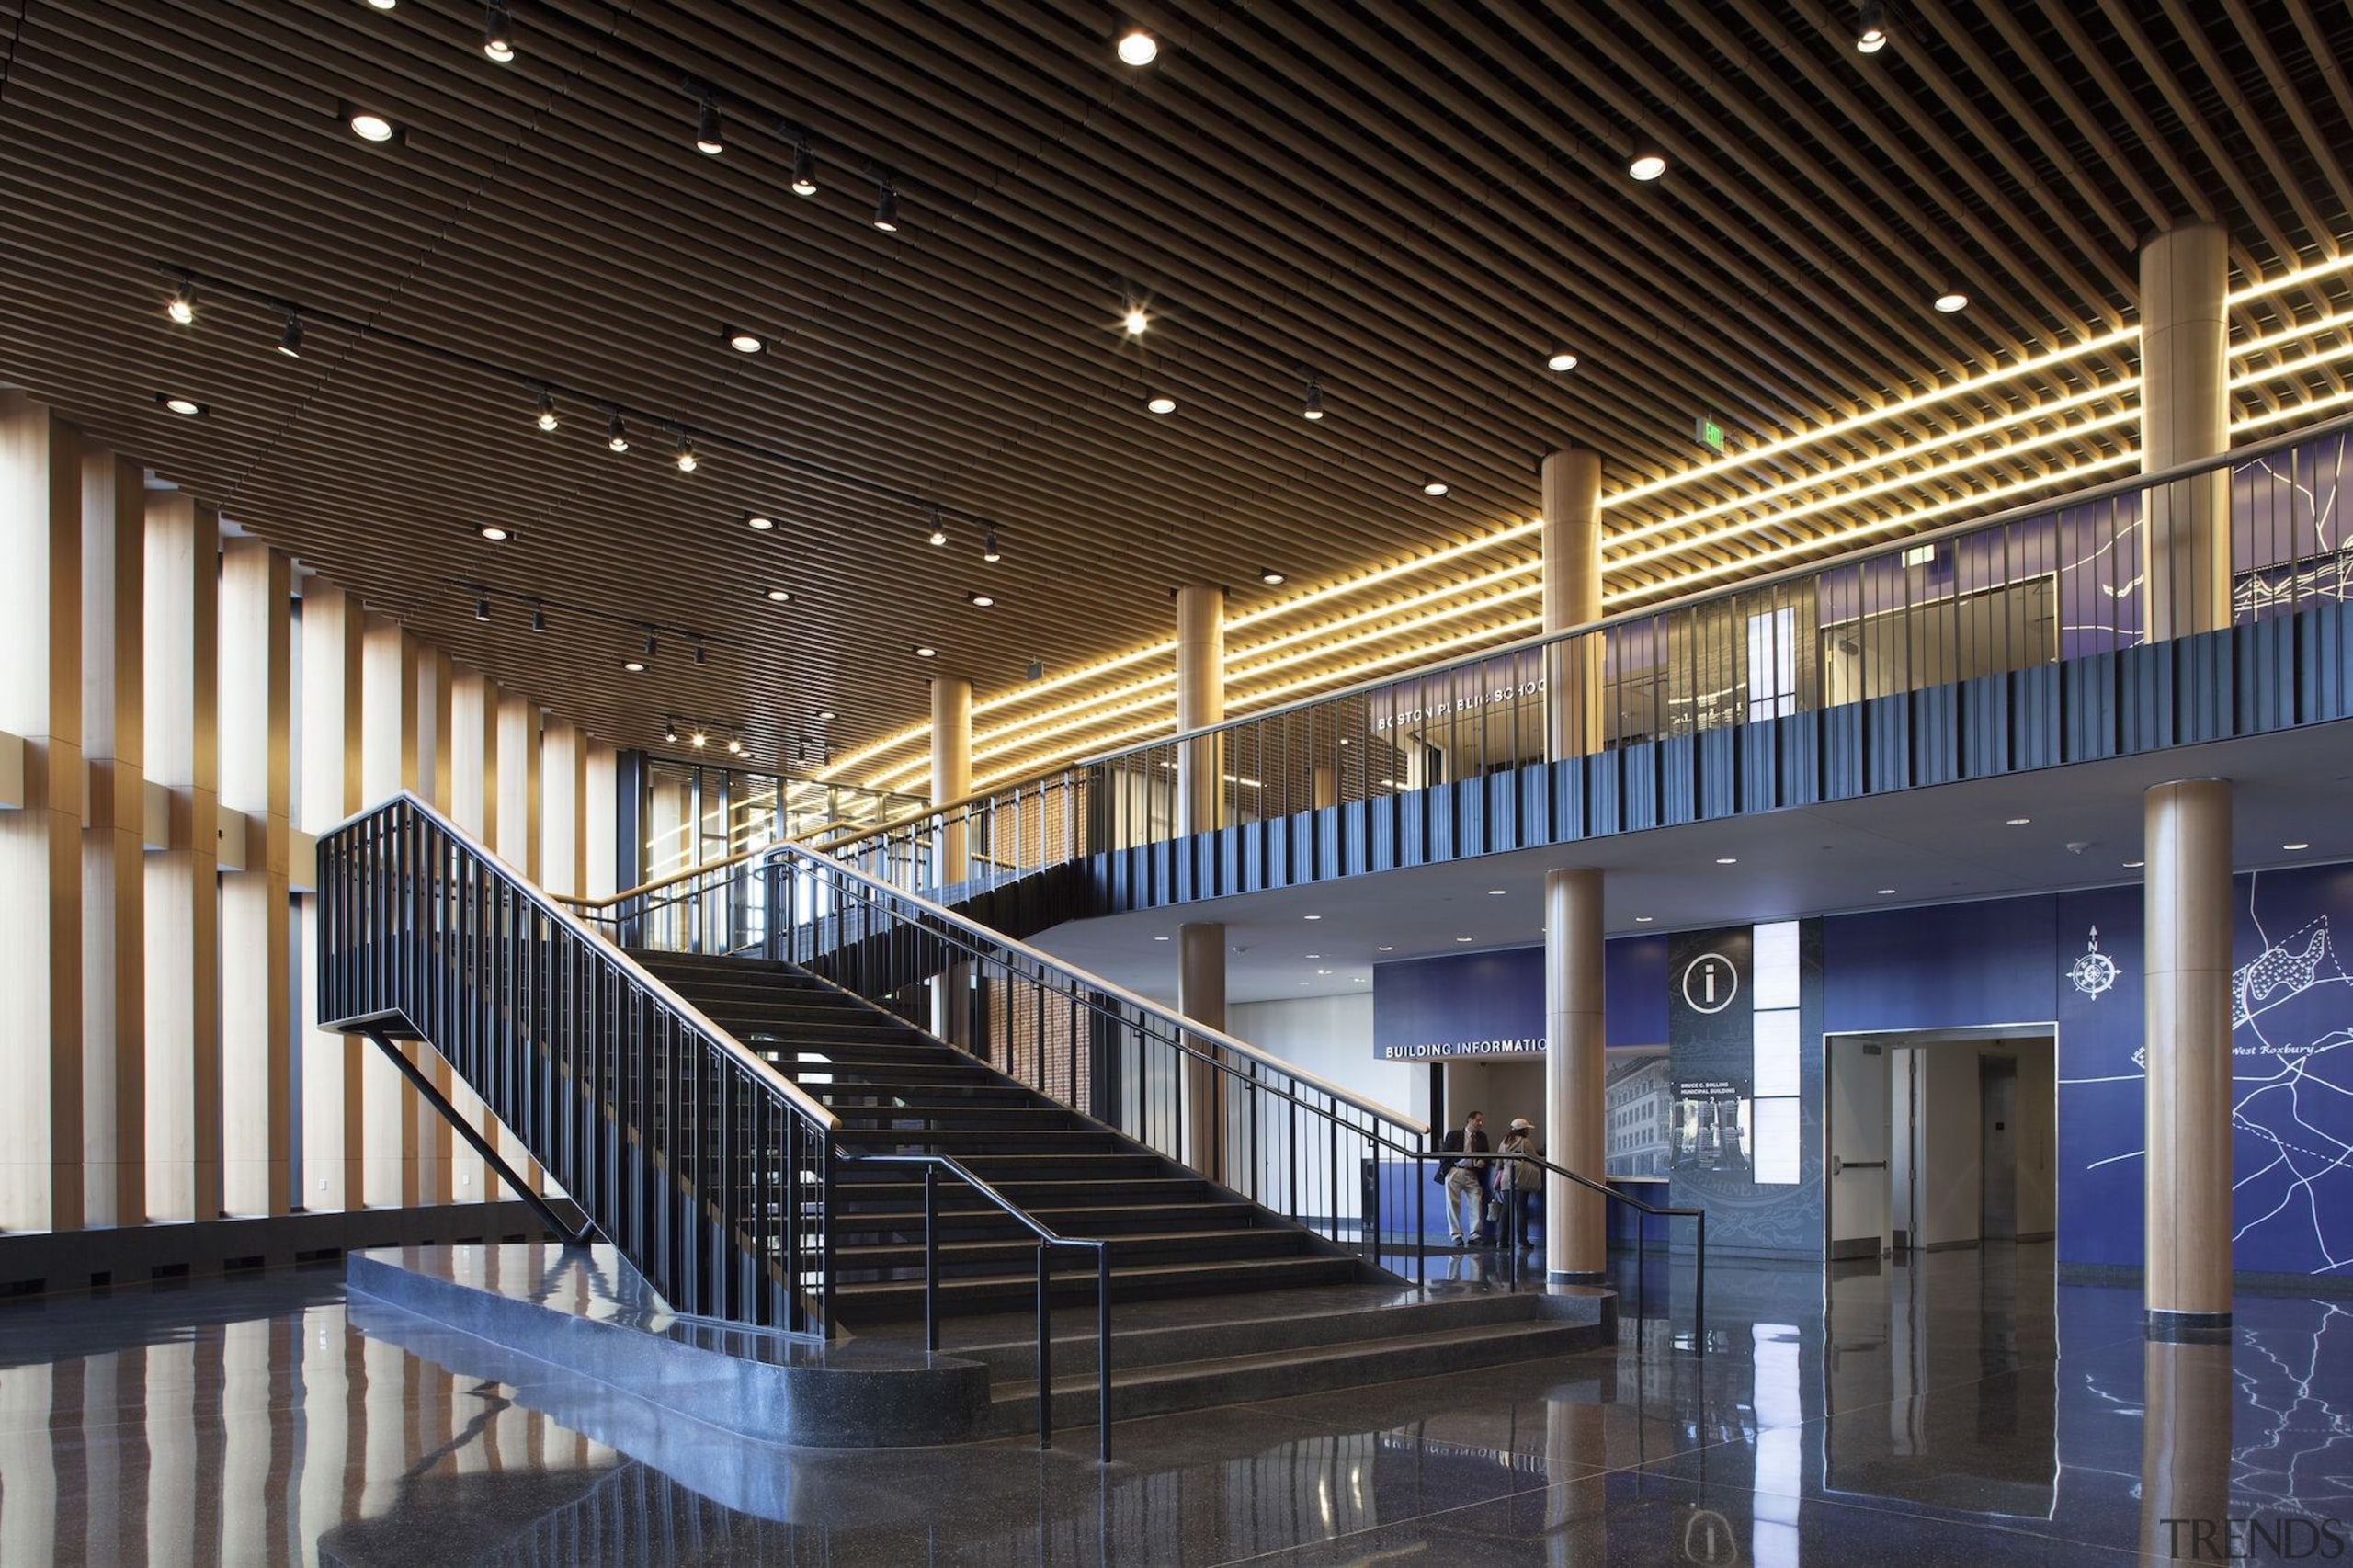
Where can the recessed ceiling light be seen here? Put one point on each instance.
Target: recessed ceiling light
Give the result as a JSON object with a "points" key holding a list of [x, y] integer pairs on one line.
{"points": [[924, 651], [634, 666], [758, 520], [699, 737], [1435, 487], [1495, 892], [2135, 865], [1323, 971], [383, 5], [1727, 859], [779, 595], [1315, 955], [824, 714], [745, 342], [1562, 359], [1887, 893], [1275, 579], [178, 405], [1952, 299], [1160, 403], [1138, 47], [1462, 938], [495, 534], [1646, 164], [1642, 919], [2019, 821], [1387, 950], [1310, 917], [981, 601], [1160, 938], [369, 126], [2295, 846]]}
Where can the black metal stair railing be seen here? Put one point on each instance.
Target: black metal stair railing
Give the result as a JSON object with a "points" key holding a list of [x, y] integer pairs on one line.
{"points": [[706, 1169]]}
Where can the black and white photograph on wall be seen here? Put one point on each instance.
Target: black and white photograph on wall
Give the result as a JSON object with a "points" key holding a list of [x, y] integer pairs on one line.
{"points": [[1710, 1130], [1638, 1104]]}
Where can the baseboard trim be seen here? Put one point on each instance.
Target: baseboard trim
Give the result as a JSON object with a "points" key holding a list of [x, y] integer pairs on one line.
{"points": [[34, 1263]]}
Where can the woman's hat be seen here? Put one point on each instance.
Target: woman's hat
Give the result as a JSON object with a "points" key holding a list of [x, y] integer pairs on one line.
{"points": [[1521, 1124]]}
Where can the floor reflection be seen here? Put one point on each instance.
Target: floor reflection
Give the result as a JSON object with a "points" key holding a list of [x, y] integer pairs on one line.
{"points": [[1961, 1408]]}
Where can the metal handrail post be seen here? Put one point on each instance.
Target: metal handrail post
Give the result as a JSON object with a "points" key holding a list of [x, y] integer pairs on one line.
{"points": [[931, 1257], [1103, 1351], [1700, 1291], [1045, 1353]]}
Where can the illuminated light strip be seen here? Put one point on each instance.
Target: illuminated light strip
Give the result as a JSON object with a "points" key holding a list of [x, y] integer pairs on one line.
{"points": [[2337, 322], [1094, 719], [2292, 277], [1927, 399], [1438, 595], [1832, 475], [1383, 574], [2287, 367], [2295, 410], [1864, 493]]}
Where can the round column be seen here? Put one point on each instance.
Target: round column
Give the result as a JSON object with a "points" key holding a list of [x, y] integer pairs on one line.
{"points": [[1576, 1236], [2188, 964], [951, 769], [2186, 416], [1201, 702], [1572, 543], [1200, 996]]}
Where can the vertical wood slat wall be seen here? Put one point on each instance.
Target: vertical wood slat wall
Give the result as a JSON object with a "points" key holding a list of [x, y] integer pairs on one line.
{"points": [[156, 964]]}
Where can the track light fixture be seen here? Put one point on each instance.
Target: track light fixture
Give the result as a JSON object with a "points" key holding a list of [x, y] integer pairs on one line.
{"points": [[939, 528], [481, 608], [701, 657], [1312, 408], [670, 730], [735, 744], [989, 552], [886, 208], [617, 433], [547, 419], [804, 165], [1135, 321], [182, 308], [649, 647], [686, 455], [290, 342], [498, 33], [708, 139], [1870, 27], [699, 738], [539, 618]]}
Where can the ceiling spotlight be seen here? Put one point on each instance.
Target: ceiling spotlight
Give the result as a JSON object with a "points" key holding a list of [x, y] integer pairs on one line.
{"points": [[369, 126], [1727, 859], [2291, 848], [187, 405], [548, 420], [1870, 27], [924, 651], [539, 618], [1160, 403], [1310, 917], [699, 738], [670, 730], [1435, 487], [1271, 577], [779, 595], [981, 601], [759, 522], [745, 342], [383, 5], [481, 608], [1952, 299], [494, 533], [686, 455], [1561, 359], [886, 210], [1887, 893], [617, 434], [824, 714], [989, 552], [290, 342], [498, 33], [182, 308], [1462, 938], [1644, 919], [1138, 47], [1312, 408], [938, 534], [1497, 892], [1388, 949], [2019, 821], [700, 657], [735, 744], [2135, 865], [1647, 164], [804, 167], [708, 139], [1136, 321], [649, 647]]}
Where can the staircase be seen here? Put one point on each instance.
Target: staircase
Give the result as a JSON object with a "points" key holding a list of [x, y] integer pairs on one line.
{"points": [[898, 1090]]}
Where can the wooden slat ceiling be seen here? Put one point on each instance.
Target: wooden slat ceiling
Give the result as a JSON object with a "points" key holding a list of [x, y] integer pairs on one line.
{"points": [[1414, 204]]}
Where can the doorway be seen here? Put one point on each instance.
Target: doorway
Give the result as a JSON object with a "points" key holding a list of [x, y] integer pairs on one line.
{"points": [[1939, 1138]]}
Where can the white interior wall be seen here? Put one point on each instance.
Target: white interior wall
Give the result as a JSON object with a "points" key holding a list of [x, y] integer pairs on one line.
{"points": [[2038, 1142], [1332, 1038], [1954, 1143]]}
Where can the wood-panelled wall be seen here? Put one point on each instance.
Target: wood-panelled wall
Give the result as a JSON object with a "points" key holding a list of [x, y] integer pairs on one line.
{"points": [[194, 710]]}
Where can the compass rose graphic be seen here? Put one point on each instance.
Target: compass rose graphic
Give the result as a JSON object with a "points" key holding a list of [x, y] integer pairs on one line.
{"points": [[2093, 971]]}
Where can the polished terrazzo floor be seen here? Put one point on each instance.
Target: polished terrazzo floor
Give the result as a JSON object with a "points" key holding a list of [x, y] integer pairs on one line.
{"points": [[1958, 1411]]}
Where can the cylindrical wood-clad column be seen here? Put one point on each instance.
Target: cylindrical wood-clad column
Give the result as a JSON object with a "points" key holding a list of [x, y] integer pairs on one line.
{"points": [[1201, 702], [951, 771], [1576, 1233], [2185, 415], [1572, 486], [2187, 1394], [1200, 996], [2187, 963]]}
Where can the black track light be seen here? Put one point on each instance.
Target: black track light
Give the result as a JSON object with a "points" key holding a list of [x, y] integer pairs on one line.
{"points": [[182, 308], [700, 656], [481, 608], [804, 166], [1313, 407], [617, 434], [886, 208], [547, 419], [290, 342], [1870, 26], [735, 744], [670, 730], [989, 552], [649, 647], [709, 141], [699, 738], [686, 462], [938, 530], [498, 32], [539, 618]]}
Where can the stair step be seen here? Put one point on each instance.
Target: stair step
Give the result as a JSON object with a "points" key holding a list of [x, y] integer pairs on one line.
{"points": [[987, 1221], [879, 1301], [1045, 1140], [943, 1097], [968, 1117], [895, 1188], [1129, 1250]]}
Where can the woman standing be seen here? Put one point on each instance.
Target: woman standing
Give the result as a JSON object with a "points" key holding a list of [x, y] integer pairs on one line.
{"points": [[1518, 1181]]}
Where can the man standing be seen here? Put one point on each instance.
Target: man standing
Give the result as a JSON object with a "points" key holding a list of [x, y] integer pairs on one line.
{"points": [[1466, 1180]]}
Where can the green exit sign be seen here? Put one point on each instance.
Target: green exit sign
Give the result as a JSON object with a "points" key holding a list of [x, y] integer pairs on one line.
{"points": [[1709, 431]]}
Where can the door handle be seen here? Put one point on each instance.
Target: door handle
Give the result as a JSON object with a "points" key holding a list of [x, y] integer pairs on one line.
{"points": [[1838, 1164]]}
